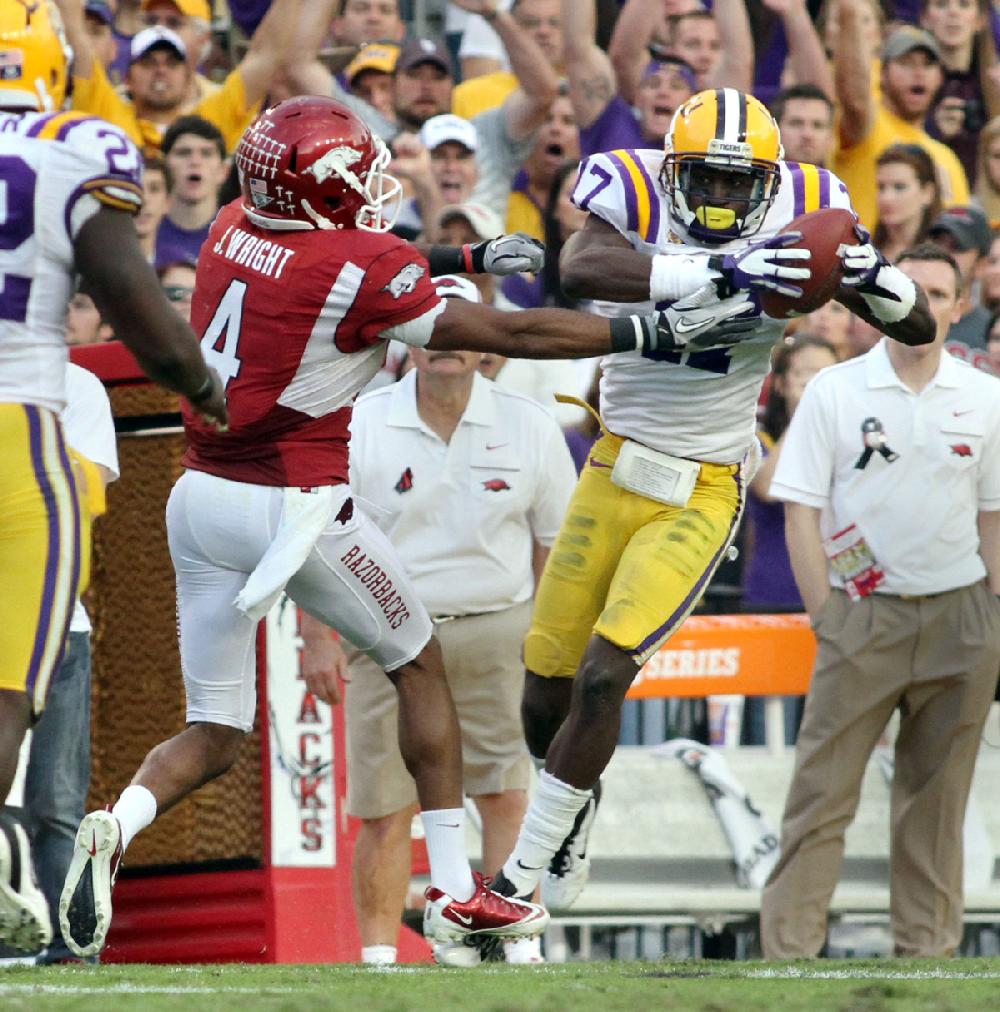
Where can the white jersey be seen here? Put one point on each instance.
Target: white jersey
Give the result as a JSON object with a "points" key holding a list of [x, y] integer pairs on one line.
{"points": [[56, 169], [700, 405]]}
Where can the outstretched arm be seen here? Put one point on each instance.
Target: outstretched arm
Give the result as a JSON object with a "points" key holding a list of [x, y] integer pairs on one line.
{"points": [[306, 72], [806, 56], [736, 62], [270, 48], [852, 75], [130, 298], [629, 45], [589, 72], [528, 106]]}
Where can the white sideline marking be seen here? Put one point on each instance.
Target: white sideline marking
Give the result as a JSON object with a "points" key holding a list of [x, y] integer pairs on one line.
{"points": [[125, 988], [795, 973]]}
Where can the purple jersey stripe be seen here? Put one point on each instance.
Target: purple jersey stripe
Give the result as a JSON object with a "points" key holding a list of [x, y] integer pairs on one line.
{"points": [[52, 551], [69, 593], [696, 591], [631, 197], [39, 126], [824, 188], [66, 127], [798, 188], [653, 230]]}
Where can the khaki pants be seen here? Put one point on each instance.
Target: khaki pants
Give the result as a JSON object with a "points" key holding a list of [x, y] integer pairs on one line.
{"points": [[482, 661], [936, 658]]}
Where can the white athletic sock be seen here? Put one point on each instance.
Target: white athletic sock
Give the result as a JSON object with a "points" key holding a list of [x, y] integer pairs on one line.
{"points": [[378, 955], [549, 819], [450, 871], [134, 810]]}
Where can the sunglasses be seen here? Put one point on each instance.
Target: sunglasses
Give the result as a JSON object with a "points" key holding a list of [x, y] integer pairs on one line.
{"points": [[178, 293]]}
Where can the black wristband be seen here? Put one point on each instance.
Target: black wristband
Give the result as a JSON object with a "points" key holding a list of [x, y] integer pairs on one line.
{"points": [[203, 392], [445, 260], [627, 334]]}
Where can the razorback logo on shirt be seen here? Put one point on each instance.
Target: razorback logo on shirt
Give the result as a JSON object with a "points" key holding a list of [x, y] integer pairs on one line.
{"points": [[961, 449], [405, 482], [496, 485], [405, 281]]}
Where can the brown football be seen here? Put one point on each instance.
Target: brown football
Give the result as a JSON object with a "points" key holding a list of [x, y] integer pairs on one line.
{"points": [[822, 233]]}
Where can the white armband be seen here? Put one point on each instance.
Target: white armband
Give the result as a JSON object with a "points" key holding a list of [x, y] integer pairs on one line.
{"points": [[676, 276], [893, 281], [418, 331]]}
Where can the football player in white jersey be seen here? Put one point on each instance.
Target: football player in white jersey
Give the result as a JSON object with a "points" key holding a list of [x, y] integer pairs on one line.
{"points": [[69, 186], [693, 229]]}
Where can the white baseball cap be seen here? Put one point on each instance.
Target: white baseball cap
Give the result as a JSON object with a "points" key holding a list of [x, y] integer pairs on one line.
{"points": [[149, 38], [448, 127], [485, 222]]}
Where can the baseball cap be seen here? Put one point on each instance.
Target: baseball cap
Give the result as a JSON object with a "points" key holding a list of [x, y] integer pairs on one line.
{"points": [[439, 130], [150, 38], [485, 222], [967, 225], [417, 51], [100, 10], [189, 8], [452, 286], [381, 56], [904, 40]]}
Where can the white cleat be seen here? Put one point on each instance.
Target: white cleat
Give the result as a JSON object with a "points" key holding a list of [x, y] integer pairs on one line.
{"points": [[85, 903], [24, 914], [569, 870], [523, 951]]}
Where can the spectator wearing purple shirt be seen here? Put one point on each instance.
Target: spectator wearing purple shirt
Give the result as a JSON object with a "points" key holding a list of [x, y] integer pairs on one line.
{"points": [[195, 153], [768, 583], [606, 120]]}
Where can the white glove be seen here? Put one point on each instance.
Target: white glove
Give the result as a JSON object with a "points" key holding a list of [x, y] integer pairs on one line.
{"points": [[890, 294], [766, 264], [703, 320], [510, 254]]}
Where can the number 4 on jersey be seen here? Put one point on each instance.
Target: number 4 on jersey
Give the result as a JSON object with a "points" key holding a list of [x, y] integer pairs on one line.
{"points": [[220, 344]]}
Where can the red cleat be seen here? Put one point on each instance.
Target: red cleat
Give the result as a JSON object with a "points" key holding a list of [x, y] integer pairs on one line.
{"points": [[486, 914]]}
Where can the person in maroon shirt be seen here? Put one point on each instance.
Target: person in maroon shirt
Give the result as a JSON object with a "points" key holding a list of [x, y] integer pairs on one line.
{"points": [[298, 291]]}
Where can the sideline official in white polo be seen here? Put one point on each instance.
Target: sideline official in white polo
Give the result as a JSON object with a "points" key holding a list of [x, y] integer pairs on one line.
{"points": [[891, 478], [470, 483]]}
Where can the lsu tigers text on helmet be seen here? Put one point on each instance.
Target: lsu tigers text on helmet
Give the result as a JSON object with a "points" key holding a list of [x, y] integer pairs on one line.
{"points": [[721, 167], [34, 56], [310, 162]]}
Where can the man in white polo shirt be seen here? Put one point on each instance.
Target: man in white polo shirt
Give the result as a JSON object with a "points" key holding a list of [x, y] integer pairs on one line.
{"points": [[470, 482], [891, 479]]}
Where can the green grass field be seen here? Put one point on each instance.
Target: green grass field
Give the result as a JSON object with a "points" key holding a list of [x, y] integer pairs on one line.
{"points": [[692, 986]]}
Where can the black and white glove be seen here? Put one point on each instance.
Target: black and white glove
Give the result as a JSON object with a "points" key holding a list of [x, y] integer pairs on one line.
{"points": [[507, 254], [765, 264], [695, 323], [890, 294]]}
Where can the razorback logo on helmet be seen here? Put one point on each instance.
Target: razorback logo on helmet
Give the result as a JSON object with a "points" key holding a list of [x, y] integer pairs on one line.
{"points": [[961, 449], [496, 485], [337, 162], [405, 281]]}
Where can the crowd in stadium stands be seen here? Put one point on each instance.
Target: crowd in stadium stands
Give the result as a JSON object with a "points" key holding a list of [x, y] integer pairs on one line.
{"points": [[489, 113]]}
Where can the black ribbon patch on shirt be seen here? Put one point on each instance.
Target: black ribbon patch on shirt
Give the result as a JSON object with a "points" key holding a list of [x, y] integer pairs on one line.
{"points": [[873, 437]]}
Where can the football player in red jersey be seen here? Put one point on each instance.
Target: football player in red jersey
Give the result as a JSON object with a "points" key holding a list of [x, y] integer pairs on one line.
{"points": [[299, 288]]}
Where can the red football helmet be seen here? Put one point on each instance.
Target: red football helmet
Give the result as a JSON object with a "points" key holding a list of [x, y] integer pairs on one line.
{"points": [[310, 162]]}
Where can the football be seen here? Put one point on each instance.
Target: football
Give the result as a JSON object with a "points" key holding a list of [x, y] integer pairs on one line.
{"points": [[822, 233]]}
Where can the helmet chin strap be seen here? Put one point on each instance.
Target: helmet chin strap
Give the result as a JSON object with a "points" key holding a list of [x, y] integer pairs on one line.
{"points": [[319, 220]]}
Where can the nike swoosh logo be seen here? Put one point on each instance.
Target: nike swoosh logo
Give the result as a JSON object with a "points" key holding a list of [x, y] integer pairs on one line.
{"points": [[597, 463], [958, 414], [526, 867], [685, 325], [495, 446], [463, 918], [449, 825]]}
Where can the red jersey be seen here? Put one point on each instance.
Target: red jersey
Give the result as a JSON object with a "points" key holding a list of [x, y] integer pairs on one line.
{"points": [[292, 323]]}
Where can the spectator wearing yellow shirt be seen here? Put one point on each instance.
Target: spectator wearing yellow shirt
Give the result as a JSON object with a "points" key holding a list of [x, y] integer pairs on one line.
{"points": [[558, 141], [869, 123], [159, 77], [539, 19]]}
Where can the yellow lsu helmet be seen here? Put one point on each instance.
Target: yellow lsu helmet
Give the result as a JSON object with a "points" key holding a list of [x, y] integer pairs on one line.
{"points": [[721, 169], [34, 56]]}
